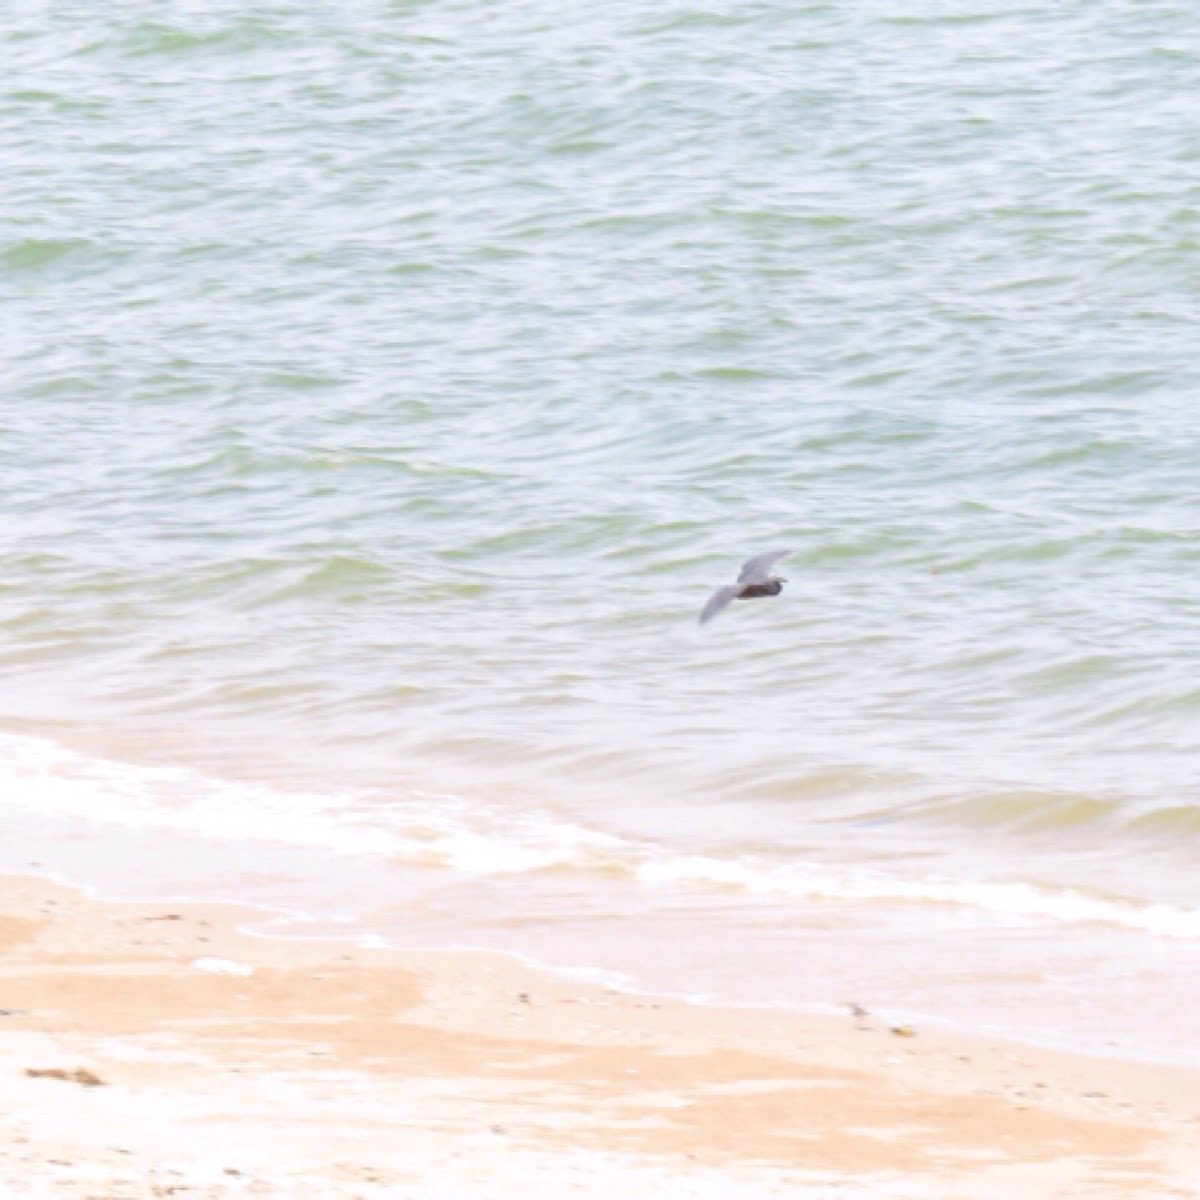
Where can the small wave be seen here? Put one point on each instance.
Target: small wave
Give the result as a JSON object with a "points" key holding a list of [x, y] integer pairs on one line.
{"points": [[448, 832], [1015, 899], [157, 39], [33, 253], [52, 779], [417, 828]]}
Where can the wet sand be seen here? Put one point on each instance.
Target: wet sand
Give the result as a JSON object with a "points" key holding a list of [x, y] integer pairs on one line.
{"points": [[151, 1050]]}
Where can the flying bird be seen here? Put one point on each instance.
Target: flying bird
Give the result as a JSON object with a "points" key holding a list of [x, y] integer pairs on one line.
{"points": [[755, 580]]}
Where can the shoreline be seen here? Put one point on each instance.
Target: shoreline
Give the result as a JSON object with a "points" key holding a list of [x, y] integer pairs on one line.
{"points": [[961, 956], [469, 1073]]}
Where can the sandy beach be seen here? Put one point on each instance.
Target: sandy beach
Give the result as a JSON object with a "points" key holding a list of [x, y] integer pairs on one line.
{"points": [[153, 1050]]}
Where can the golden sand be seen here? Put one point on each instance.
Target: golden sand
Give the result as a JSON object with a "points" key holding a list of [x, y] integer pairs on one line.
{"points": [[151, 1050]]}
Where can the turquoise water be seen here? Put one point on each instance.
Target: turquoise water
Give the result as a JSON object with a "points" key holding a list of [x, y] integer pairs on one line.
{"points": [[385, 389]]}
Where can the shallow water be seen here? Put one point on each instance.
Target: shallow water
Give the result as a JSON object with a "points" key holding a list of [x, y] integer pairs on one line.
{"points": [[384, 391]]}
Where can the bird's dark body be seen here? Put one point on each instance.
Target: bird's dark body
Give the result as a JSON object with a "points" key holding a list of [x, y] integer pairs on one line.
{"points": [[752, 590]]}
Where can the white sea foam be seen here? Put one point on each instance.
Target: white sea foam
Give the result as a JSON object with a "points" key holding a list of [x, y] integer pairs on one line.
{"points": [[1014, 898], [49, 778], [448, 833], [419, 828]]}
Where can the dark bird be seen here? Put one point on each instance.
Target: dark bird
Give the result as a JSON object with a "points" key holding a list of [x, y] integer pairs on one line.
{"points": [[755, 580]]}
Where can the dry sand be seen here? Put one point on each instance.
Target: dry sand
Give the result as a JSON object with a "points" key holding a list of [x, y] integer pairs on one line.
{"points": [[151, 1050]]}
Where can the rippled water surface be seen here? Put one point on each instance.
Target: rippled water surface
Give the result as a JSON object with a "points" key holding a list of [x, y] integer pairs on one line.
{"points": [[386, 386]]}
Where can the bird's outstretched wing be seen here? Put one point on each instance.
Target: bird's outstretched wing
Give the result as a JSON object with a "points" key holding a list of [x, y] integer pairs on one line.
{"points": [[758, 568], [720, 599]]}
